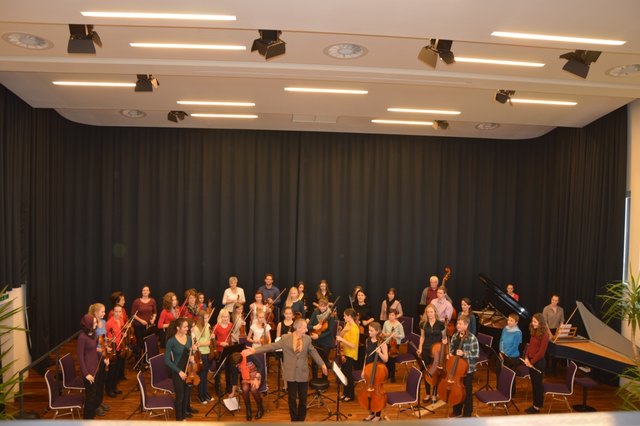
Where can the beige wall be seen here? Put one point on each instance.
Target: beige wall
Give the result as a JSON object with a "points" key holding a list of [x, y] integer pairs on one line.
{"points": [[633, 185]]}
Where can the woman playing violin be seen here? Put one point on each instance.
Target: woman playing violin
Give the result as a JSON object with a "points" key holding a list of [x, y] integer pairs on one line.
{"points": [[201, 333], [118, 299], [321, 332], [257, 306], [293, 302], [286, 325], [349, 338], [430, 333], [239, 324], [465, 345], [91, 367], [177, 355], [233, 294], [373, 346], [323, 291], [393, 327], [364, 317], [390, 303], [114, 334], [222, 335], [302, 297], [168, 315], [259, 332], [191, 307]]}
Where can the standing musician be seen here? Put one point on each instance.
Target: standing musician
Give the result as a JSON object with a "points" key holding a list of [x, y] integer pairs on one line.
{"points": [[238, 322], [168, 315], [270, 292], [92, 367], [323, 291], [393, 327], [286, 325], [303, 298], [114, 334], [252, 378], [222, 335], [390, 303], [177, 356], [145, 311], [191, 307], [258, 305], [431, 292], [374, 345], [296, 348], [321, 318], [364, 317], [534, 359], [444, 308], [98, 311], [348, 339], [292, 301], [465, 305], [259, 332], [233, 294], [201, 333], [117, 298], [465, 345], [430, 333]]}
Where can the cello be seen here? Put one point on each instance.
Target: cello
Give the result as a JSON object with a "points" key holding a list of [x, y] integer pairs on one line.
{"points": [[438, 354], [372, 397], [450, 389]]}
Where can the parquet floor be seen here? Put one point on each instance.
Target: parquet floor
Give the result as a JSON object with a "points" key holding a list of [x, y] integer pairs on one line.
{"points": [[602, 398]]}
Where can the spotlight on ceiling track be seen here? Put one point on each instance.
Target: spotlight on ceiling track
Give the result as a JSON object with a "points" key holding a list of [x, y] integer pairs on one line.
{"points": [[440, 124], [437, 48], [82, 39], [578, 62], [503, 96], [176, 116], [146, 83], [269, 44]]}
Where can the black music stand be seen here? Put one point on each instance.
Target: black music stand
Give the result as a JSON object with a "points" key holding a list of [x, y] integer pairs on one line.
{"points": [[492, 360], [341, 379], [424, 372], [279, 392], [225, 354]]}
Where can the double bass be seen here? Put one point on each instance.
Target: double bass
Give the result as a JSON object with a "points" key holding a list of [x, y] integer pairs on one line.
{"points": [[372, 396], [451, 327], [450, 389]]}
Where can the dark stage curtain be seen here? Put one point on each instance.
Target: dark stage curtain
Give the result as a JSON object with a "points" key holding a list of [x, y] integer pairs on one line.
{"points": [[85, 211]]}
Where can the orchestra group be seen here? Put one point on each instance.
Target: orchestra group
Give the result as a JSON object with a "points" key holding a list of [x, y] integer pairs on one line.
{"points": [[200, 343]]}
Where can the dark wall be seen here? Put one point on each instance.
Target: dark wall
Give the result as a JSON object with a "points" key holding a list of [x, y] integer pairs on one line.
{"points": [[86, 210]]}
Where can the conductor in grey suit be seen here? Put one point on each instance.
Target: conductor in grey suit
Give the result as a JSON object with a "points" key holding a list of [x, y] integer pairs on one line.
{"points": [[296, 348]]}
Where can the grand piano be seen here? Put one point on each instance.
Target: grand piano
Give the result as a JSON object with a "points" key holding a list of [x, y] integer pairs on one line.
{"points": [[497, 307]]}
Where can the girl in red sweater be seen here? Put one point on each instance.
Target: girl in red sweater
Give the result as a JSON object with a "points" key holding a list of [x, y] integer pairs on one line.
{"points": [[534, 359]]}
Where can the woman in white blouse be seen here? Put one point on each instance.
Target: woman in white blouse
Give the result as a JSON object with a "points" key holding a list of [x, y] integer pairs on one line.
{"points": [[233, 294]]}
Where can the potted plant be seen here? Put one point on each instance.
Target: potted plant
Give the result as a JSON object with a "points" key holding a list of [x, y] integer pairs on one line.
{"points": [[622, 301], [8, 387]]}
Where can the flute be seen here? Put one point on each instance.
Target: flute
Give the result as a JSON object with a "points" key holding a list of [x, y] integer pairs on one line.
{"points": [[522, 359]]}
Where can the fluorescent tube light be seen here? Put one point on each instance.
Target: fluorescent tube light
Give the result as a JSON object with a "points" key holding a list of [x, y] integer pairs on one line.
{"points": [[499, 62], [549, 37], [216, 103], [425, 111], [318, 90], [189, 46], [93, 84], [224, 115], [145, 15], [415, 123]]}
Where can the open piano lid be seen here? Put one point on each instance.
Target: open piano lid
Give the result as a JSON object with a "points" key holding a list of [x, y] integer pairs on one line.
{"points": [[602, 334], [501, 300]]}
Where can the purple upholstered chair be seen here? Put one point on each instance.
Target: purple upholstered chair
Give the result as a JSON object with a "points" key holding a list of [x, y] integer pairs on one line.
{"points": [[410, 396], [501, 396], [70, 381], [160, 379], [153, 404], [409, 358], [68, 404], [560, 391]]}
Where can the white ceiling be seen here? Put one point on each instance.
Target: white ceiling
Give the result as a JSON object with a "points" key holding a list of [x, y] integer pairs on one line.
{"points": [[392, 32]]}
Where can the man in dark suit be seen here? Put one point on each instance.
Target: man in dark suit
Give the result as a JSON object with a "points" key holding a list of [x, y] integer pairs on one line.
{"points": [[296, 348]]}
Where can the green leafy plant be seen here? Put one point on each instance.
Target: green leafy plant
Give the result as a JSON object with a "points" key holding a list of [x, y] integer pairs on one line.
{"points": [[622, 301], [8, 387]]}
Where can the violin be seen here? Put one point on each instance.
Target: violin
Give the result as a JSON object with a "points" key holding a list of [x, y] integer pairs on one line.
{"points": [[372, 397], [193, 378], [340, 356], [264, 340], [393, 345], [102, 341], [270, 317], [450, 389]]}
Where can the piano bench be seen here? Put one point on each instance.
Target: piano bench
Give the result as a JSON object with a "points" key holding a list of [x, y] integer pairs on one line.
{"points": [[587, 383]]}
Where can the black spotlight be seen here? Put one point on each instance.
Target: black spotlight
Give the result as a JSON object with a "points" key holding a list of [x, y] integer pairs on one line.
{"points": [[269, 44], [146, 83], [440, 124], [437, 48], [578, 62], [504, 96], [82, 39], [176, 116]]}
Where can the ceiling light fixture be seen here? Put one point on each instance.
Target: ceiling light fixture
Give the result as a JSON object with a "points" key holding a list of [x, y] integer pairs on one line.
{"points": [[503, 96], [487, 126], [189, 46], [579, 61], [499, 62], [319, 90], [346, 51], [425, 111], [27, 41], [269, 44], [413, 123], [224, 115], [133, 113], [624, 70], [176, 116], [176, 16], [218, 103], [440, 124], [83, 39], [146, 83], [437, 48], [93, 84], [548, 37], [543, 102]]}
